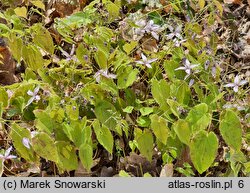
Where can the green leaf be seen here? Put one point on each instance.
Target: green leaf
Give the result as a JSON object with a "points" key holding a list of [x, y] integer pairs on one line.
{"points": [[1, 167], [32, 57], [1, 110], [3, 97], [76, 131], [67, 156], [183, 131], [113, 9], [161, 92], [104, 136], [174, 107], [43, 121], [199, 117], [126, 76], [143, 121], [160, 128], [39, 4], [101, 59], [181, 91], [122, 173], [128, 109], [203, 150], [107, 114], [145, 142], [16, 44], [45, 147], [21, 12], [17, 134], [230, 129], [81, 51], [108, 84], [201, 3], [72, 111], [86, 156], [146, 110], [128, 47], [42, 38]]}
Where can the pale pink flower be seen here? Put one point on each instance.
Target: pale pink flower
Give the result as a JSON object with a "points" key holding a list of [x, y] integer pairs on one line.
{"points": [[236, 84], [7, 155], [145, 61]]}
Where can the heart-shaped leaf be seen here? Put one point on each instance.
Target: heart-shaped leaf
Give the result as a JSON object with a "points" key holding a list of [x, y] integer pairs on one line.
{"points": [[161, 92], [230, 128], [160, 128], [104, 136], [203, 149], [183, 131], [145, 142], [86, 156], [18, 134], [199, 117], [67, 156], [45, 147]]}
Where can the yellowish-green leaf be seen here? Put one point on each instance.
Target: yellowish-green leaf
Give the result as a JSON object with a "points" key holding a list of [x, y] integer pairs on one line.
{"points": [[45, 147], [42, 38], [128, 47], [32, 57], [17, 135], [16, 44], [21, 12], [160, 128], [203, 150], [201, 3], [218, 6], [39, 4], [67, 156], [104, 136], [230, 129], [161, 92], [86, 156], [183, 131], [145, 142]]}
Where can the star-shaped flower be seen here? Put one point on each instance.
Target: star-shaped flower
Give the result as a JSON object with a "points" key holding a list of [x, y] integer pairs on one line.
{"points": [[236, 84], [175, 35], [145, 61], [105, 73], [7, 155], [34, 96], [188, 67], [153, 29]]}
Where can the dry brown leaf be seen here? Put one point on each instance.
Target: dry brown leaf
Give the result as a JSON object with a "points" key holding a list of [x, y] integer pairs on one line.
{"points": [[167, 170]]}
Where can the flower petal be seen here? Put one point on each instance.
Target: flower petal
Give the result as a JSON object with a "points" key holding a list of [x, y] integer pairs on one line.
{"points": [[181, 68], [26, 142], [140, 62], [7, 152], [30, 93], [144, 58], [36, 90], [236, 88], [152, 60], [11, 157], [155, 35], [237, 79], [148, 65], [30, 101], [230, 85], [242, 82]]}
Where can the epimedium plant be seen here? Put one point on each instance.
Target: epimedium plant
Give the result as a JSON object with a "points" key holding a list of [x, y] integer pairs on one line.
{"points": [[108, 85]]}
